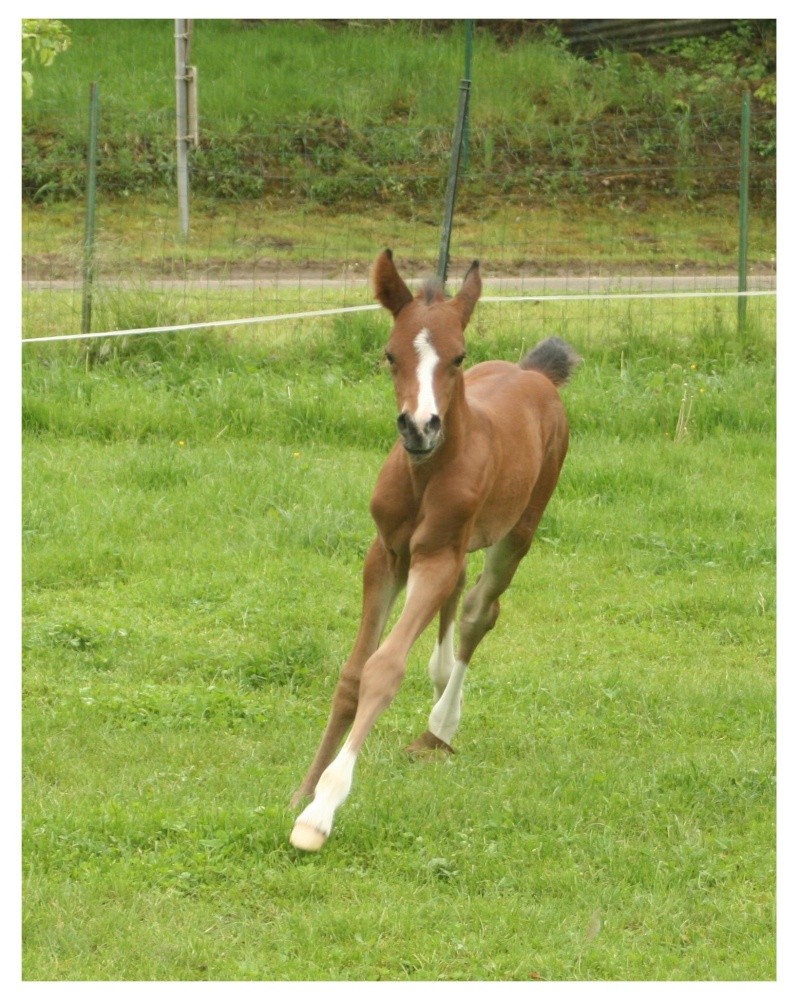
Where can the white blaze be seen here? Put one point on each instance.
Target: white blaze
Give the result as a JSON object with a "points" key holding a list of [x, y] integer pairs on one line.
{"points": [[428, 359]]}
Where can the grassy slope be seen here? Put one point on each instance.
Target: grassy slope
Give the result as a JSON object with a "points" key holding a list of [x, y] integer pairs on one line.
{"points": [[195, 514], [566, 155]]}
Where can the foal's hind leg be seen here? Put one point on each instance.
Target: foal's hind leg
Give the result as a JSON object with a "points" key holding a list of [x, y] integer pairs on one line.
{"points": [[481, 610], [482, 603], [441, 664]]}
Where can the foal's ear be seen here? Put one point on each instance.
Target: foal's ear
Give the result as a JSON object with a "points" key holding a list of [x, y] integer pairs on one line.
{"points": [[464, 302], [389, 287]]}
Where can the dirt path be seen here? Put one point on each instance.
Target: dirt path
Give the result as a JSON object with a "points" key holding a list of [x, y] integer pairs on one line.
{"points": [[567, 284]]}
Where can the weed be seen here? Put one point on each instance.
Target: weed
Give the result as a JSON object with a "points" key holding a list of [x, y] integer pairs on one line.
{"points": [[684, 415]]}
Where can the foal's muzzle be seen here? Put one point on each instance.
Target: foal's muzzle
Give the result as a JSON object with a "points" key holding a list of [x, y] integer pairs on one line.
{"points": [[418, 441]]}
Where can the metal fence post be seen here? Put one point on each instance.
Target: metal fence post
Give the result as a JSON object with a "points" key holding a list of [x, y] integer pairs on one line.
{"points": [[467, 76], [744, 196], [452, 181], [182, 120], [91, 203]]}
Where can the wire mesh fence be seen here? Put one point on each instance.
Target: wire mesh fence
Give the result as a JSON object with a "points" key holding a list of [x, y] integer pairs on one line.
{"points": [[328, 160], [290, 219]]}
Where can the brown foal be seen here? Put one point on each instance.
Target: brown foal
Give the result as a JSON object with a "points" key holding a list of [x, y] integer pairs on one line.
{"points": [[477, 460]]}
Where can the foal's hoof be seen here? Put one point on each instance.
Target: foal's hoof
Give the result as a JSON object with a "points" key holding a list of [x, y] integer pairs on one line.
{"points": [[307, 838], [428, 743]]}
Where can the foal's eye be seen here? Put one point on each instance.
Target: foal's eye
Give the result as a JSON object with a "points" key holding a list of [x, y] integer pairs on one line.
{"points": [[389, 358], [458, 361]]}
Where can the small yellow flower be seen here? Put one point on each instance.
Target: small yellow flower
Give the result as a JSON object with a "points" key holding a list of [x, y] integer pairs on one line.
{"points": [[181, 443]]}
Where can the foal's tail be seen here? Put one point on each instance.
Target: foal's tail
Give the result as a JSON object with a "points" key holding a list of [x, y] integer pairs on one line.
{"points": [[553, 358]]}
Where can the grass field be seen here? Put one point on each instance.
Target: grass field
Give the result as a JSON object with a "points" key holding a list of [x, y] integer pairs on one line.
{"points": [[195, 513], [340, 114]]}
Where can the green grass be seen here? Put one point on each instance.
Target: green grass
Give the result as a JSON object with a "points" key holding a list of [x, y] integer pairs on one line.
{"points": [[137, 240], [311, 113], [363, 73], [195, 514]]}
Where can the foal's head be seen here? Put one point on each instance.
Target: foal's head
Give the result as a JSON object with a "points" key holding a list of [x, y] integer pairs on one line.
{"points": [[425, 351]]}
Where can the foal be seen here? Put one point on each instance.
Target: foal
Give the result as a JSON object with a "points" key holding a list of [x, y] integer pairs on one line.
{"points": [[478, 458]]}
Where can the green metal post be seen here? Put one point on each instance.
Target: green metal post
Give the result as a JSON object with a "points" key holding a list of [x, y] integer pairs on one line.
{"points": [[452, 181], [467, 76], [744, 194], [91, 202]]}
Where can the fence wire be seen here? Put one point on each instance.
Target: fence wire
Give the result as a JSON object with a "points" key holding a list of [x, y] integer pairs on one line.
{"points": [[292, 223]]}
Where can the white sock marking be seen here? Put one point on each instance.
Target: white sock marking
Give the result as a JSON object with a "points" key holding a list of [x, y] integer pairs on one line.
{"points": [[332, 789], [442, 661], [446, 715]]}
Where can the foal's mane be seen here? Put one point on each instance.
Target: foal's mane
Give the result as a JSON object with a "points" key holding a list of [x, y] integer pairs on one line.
{"points": [[432, 291]]}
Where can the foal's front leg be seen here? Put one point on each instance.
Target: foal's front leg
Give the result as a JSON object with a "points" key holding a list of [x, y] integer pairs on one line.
{"points": [[383, 580], [431, 580]]}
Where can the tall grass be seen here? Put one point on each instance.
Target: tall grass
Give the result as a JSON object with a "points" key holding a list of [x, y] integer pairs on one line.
{"points": [[195, 514], [662, 353], [312, 111], [361, 71]]}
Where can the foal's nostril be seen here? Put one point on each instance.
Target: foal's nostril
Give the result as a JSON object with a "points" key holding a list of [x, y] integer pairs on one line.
{"points": [[408, 427]]}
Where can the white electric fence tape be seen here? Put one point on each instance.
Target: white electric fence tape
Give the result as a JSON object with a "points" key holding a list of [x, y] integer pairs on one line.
{"points": [[216, 324]]}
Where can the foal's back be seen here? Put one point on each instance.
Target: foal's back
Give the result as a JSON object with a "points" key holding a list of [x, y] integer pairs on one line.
{"points": [[512, 394], [519, 441]]}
